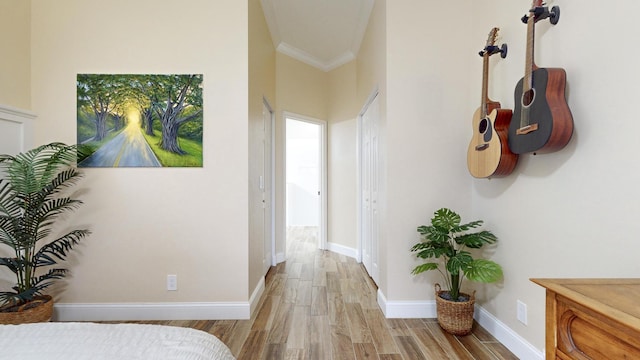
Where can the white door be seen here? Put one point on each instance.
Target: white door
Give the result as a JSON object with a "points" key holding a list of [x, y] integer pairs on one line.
{"points": [[266, 182], [369, 187]]}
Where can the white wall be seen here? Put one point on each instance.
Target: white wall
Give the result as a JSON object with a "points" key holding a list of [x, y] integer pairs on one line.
{"points": [[571, 213], [566, 214], [148, 223], [303, 173]]}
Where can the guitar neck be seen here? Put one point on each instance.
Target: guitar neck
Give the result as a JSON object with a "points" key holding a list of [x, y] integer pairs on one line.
{"points": [[529, 64], [485, 85]]}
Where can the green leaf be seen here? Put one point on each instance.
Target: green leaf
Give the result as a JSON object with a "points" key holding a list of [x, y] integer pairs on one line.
{"points": [[424, 267], [459, 263], [467, 226], [483, 270], [476, 240], [446, 219]]}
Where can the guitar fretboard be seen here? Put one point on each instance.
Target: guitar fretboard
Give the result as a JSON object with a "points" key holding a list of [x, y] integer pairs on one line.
{"points": [[485, 84], [527, 83]]}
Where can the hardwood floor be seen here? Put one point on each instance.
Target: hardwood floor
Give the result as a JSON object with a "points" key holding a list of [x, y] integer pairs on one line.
{"points": [[321, 305]]}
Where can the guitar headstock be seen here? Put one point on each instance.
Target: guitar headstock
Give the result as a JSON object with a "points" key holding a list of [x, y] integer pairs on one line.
{"points": [[491, 47], [540, 11], [491, 38]]}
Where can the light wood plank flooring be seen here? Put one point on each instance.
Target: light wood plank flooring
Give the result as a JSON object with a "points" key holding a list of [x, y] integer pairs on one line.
{"points": [[321, 305]]}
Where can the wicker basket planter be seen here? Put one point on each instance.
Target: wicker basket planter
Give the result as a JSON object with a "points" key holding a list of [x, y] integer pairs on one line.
{"points": [[455, 317], [38, 310]]}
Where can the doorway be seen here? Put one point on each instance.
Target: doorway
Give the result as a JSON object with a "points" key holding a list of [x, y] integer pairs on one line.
{"points": [[305, 173]]}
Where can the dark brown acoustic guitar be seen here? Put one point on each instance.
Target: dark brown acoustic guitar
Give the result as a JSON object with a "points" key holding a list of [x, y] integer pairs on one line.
{"points": [[542, 121], [488, 154]]}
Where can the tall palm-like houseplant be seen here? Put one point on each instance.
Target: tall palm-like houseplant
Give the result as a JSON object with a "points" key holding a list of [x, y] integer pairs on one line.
{"points": [[33, 197]]}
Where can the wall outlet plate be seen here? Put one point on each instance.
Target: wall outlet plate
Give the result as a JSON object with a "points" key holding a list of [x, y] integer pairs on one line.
{"points": [[172, 282], [522, 312]]}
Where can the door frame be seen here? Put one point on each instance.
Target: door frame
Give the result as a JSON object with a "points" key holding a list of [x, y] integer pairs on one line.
{"points": [[322, 238], [360, 216], [270, 237]]}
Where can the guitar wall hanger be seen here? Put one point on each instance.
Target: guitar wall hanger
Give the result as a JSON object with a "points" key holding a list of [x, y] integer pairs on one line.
{"points": [[492, 49], [542, 12]]}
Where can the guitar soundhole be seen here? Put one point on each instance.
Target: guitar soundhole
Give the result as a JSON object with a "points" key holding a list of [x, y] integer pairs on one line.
{"points": [[527, 97], [482, 126]]}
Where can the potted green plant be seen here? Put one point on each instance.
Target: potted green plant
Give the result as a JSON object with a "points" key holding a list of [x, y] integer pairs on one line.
{"points": [[445, 245], [33, 196]]}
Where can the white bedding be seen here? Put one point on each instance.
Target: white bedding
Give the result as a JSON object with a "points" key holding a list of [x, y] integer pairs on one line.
{"points": [[84, 341]]}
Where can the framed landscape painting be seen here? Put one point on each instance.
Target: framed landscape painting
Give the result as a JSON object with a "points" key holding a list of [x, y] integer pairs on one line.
{"points": [[127, 120]]}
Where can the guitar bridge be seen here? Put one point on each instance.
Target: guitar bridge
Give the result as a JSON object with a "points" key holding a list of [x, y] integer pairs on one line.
{"points": [[482, 147], [527, 129]]}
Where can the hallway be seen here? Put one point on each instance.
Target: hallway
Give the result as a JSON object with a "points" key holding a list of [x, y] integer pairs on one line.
{"points": [[321, 305]]}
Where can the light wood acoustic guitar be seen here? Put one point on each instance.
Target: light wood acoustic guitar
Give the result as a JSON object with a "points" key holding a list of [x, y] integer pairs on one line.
{"points": [[488, 154], [542, 121]]}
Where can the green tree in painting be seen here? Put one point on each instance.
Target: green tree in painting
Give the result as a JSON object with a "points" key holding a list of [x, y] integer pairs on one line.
{"points": [[97, 91], [180, 93]]}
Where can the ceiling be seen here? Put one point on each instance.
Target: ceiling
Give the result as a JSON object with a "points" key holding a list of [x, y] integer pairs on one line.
{"points": [[322, 33]]}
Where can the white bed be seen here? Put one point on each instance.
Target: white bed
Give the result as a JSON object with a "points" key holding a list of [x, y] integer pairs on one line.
{"points": [[84, 341]]}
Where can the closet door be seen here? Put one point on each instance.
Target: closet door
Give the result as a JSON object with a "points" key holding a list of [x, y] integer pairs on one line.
{"points": [[369, 187]]}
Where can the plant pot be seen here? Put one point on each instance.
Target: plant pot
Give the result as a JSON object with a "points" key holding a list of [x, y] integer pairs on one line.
{"points": [[455, 317], [40, 309]]}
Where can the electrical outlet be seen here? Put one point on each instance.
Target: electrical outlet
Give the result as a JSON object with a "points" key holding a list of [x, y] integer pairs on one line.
{"points": [[172, 282], [522, 312]]}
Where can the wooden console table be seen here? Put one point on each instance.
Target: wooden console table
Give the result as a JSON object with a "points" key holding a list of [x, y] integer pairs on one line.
{"points": [[592, 318]]}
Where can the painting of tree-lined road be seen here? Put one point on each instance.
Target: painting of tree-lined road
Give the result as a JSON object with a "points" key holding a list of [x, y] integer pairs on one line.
{"points": [[139, 120]]}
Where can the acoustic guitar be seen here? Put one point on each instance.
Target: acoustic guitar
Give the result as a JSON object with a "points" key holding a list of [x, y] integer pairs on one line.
{"points": [[488, 154], [542, 121]]}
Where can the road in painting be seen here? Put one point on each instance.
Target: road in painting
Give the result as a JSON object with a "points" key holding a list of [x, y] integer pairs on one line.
{"points": [[140, 120], [128, 148]]}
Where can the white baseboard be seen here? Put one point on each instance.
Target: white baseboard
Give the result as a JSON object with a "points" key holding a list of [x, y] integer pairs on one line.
{"points": [[509, 338], [427, 309], [160, 311], [256, 295], [406, 309], [152, 311], [342, 250]]}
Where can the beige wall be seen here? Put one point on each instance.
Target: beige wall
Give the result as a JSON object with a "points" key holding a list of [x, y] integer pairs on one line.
{"points": [[261, 85], [427, 110], [565, 214], [342, 160], [148, 223], [572, 213], [15, 76]]}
